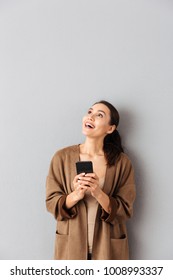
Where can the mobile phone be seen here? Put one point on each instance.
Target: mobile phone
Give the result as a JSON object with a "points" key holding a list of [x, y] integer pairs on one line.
{"points": [[84, 167]]}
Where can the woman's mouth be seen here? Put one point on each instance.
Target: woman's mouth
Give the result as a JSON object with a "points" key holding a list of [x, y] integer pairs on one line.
{"points": [[89, 125]]}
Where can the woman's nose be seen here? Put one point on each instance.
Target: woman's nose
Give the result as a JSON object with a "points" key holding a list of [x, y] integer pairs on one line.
{"points": [[91, 116]]}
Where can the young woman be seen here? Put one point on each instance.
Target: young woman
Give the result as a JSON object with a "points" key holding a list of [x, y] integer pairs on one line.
{"points": [[91, 209]]}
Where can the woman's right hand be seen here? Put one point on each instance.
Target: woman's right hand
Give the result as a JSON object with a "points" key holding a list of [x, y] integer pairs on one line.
{"points": [[79, 189], [78, 192]]}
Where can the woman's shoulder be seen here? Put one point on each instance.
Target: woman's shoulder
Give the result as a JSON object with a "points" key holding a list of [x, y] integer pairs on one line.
{"points": [[66, 151], [124, 159], [124, 156]]}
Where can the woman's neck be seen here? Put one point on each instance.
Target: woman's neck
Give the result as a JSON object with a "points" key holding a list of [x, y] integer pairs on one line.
{"points": [[92, 147]]}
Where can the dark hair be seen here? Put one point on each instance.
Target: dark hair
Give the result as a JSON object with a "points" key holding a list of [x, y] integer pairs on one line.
{"points": [[112, 145]]}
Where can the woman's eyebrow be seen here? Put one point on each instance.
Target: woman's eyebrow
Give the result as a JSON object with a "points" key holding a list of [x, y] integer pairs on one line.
{"points": [[98, 111], [102, 111]]}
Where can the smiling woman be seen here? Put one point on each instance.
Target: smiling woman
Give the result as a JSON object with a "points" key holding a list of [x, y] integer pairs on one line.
{"points": [[91, 209], [111, 141], [98, 121]]}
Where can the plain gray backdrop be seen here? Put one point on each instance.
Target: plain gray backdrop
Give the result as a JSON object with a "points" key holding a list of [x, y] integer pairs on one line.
{"points": [[56, 59]]}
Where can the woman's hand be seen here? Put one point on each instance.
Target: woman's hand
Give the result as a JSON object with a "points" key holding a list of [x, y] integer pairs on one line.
{"points": [[78, 193], [91, 181], [84, 182], [79, 189]]}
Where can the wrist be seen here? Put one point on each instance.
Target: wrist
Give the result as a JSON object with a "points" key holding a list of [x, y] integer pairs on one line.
{"points": [[71, 200], [99, 195], [75, 197]]}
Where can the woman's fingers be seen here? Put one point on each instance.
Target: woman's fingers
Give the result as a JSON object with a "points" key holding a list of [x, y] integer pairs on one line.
{"points": [[76, 179], [89, 178]]}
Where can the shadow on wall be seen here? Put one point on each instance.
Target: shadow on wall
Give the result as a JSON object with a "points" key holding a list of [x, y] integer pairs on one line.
{"points": [[128, 128], [135, 245]]}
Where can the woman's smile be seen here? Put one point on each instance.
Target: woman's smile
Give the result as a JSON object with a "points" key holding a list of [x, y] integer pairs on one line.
{"points": [[89, 125]]}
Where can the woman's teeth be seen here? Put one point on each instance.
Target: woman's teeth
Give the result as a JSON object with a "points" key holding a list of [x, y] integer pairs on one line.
{"points": [[89, 125]]}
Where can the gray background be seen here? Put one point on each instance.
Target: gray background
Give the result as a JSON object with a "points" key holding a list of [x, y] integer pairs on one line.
{"points": [[56, 59]]}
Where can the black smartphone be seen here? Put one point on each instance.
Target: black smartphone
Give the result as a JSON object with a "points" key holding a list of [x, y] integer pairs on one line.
{"points": [[84, 167]]}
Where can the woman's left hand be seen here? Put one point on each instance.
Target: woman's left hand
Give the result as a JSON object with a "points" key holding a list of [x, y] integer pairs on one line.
{"points": [[91, 180]]}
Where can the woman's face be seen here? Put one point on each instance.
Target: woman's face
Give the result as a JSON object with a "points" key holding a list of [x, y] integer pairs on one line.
{"points": [[96, 123]]}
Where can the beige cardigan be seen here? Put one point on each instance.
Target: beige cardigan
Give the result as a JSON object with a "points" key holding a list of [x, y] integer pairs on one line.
{"points": [[110, 235]]}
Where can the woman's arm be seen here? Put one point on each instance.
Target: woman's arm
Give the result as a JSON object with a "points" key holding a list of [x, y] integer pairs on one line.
{"points": [[120, 204], [78, 193], [57, 191], [123, 197]]}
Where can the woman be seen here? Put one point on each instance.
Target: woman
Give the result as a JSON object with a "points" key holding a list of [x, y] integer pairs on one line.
{"points": [[91, 209]]}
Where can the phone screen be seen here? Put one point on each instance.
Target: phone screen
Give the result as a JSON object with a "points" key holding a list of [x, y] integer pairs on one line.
{"points": [[84, 167]]}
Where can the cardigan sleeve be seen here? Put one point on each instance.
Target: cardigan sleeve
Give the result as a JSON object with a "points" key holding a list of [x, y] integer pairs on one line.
{"points": [[56, 192], [121, 202]]}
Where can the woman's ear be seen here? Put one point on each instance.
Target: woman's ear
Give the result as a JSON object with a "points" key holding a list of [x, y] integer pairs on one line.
{"points": [[112, 128]]}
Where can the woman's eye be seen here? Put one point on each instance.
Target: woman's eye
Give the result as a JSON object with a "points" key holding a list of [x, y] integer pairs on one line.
{"points": [[89, 112], [100, 115]]}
